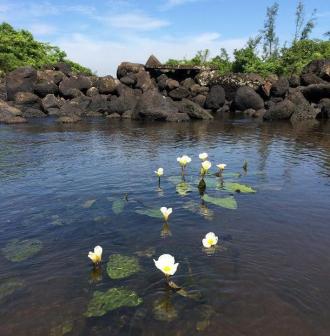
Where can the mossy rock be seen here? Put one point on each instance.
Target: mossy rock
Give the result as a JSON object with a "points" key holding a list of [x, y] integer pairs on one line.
{"points": [[9, 286], [114, 298], [18, 250], [120, 266]]}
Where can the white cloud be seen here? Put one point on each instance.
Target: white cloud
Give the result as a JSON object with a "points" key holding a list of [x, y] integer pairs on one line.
{"points": [[105, 55], [174, 3], [136, 21], [42, 29]]}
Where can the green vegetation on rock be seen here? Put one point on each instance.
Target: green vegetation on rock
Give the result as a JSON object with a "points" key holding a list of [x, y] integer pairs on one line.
{"points": [[19, 48], [120, 266], [18, 250], [114, 298]]}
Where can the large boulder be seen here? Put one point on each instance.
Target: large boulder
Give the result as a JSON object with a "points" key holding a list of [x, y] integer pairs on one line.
{"points": [[246, 98], [106, 85], [216, 98], [20, 80], [50, 102], [316, 92], [325, 107], [27, 99], [280, 87], [152, 105], [310, 78], [50, 76], [126, 102], [162, 81], [126, 67], [63, 67], [171, 84], [320, 68], [31, 112], [43, 88], [69, 86], [71, 109], [303, 110], [143, 81], [10, 114], [281, 110], [188, 83], [200, 100], [179, 93], [99, 104], [129, 80], [193, 110]]}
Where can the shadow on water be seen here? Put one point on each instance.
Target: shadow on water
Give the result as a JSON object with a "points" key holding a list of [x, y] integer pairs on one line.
{"points": [[64, 186]]}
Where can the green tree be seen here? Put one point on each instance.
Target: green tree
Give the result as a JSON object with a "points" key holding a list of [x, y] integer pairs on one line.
{"points": [[19, 48], [309, 26]]}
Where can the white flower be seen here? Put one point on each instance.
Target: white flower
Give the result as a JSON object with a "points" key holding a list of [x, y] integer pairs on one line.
{"points": [[221, 166], [96, 256], [184, 160], [203, 156], [159, 172], [210, 240], [166, 212], [206, 165], [166, 263]]}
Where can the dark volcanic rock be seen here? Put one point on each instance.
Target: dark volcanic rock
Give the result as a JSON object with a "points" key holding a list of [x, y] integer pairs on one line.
{"points": [[128, 80], [20, 80], [31, 112], [126, 67], [325, 107], [153, 62], [10, 114], [83, 102], [50, 76], [179, 93], [281, 110], [178, 117], [196, 89], [43, 88], [294, 81], [246, 98], [200, 100], [27, 99], [162, 81], [123, 103], [63, 67], [69, 85], [280, 87], [316, 92], [99, 104], [310, 78], [216, 98], [320, 68], [172, 84], [188, 83], [106, 84], [143, 81], [152, 105], [93, 91], [303, 109], [50, 101], [193, 110]]}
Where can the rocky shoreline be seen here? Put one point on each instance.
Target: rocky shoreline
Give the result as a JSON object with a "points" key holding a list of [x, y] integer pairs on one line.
{"points": [[155, 92]]}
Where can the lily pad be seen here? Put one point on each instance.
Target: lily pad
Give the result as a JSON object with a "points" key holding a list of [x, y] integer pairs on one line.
{"points": [[18, 250], [183, 188], [224, 202], [88, 204], [154, 213], [237, 187], [9, 286], [118, 206], [120, 266], [62, 329], [114, 298]]}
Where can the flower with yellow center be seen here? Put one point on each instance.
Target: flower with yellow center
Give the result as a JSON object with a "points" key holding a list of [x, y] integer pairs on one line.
{"points": [[159, 172], [210, 240], [166, 212], [96, 256], [221, 166], [184, 160], [206, 165], [203, 156], [166, 264]]}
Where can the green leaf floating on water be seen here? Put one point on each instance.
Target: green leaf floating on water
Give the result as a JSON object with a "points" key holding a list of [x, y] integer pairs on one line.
{"points": [[120, 266], [183, 188], [18, 250], [118, 206], [9, 286], [154, 213], [237, 187], [224, 202], [114, 298]]}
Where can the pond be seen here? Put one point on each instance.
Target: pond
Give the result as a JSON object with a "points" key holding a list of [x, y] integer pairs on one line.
{"points": [[67, 188]]}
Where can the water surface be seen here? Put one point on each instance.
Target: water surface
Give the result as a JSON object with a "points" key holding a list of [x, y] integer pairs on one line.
{"points": [[269, 276]]}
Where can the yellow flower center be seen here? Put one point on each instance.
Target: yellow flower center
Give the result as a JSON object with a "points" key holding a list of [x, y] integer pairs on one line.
{"points": [[210, 241], [167, 269]]}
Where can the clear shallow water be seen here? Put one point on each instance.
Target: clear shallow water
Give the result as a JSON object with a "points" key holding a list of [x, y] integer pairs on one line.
{"points": [[270, 275]]}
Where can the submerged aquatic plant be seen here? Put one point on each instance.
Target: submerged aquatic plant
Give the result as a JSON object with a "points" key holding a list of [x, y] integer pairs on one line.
{"points": [[166, 212], [210, 240], [203, 156], [96, 256], [166, 264]]}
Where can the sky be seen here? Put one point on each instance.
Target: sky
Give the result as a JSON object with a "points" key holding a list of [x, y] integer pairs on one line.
{"points": [[102, 34]]}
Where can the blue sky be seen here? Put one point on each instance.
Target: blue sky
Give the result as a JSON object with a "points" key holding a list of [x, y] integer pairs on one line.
{"points": [[101, 34]]}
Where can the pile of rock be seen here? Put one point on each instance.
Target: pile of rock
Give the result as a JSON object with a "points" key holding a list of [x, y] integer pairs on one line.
{"points": [[138, 92]]}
